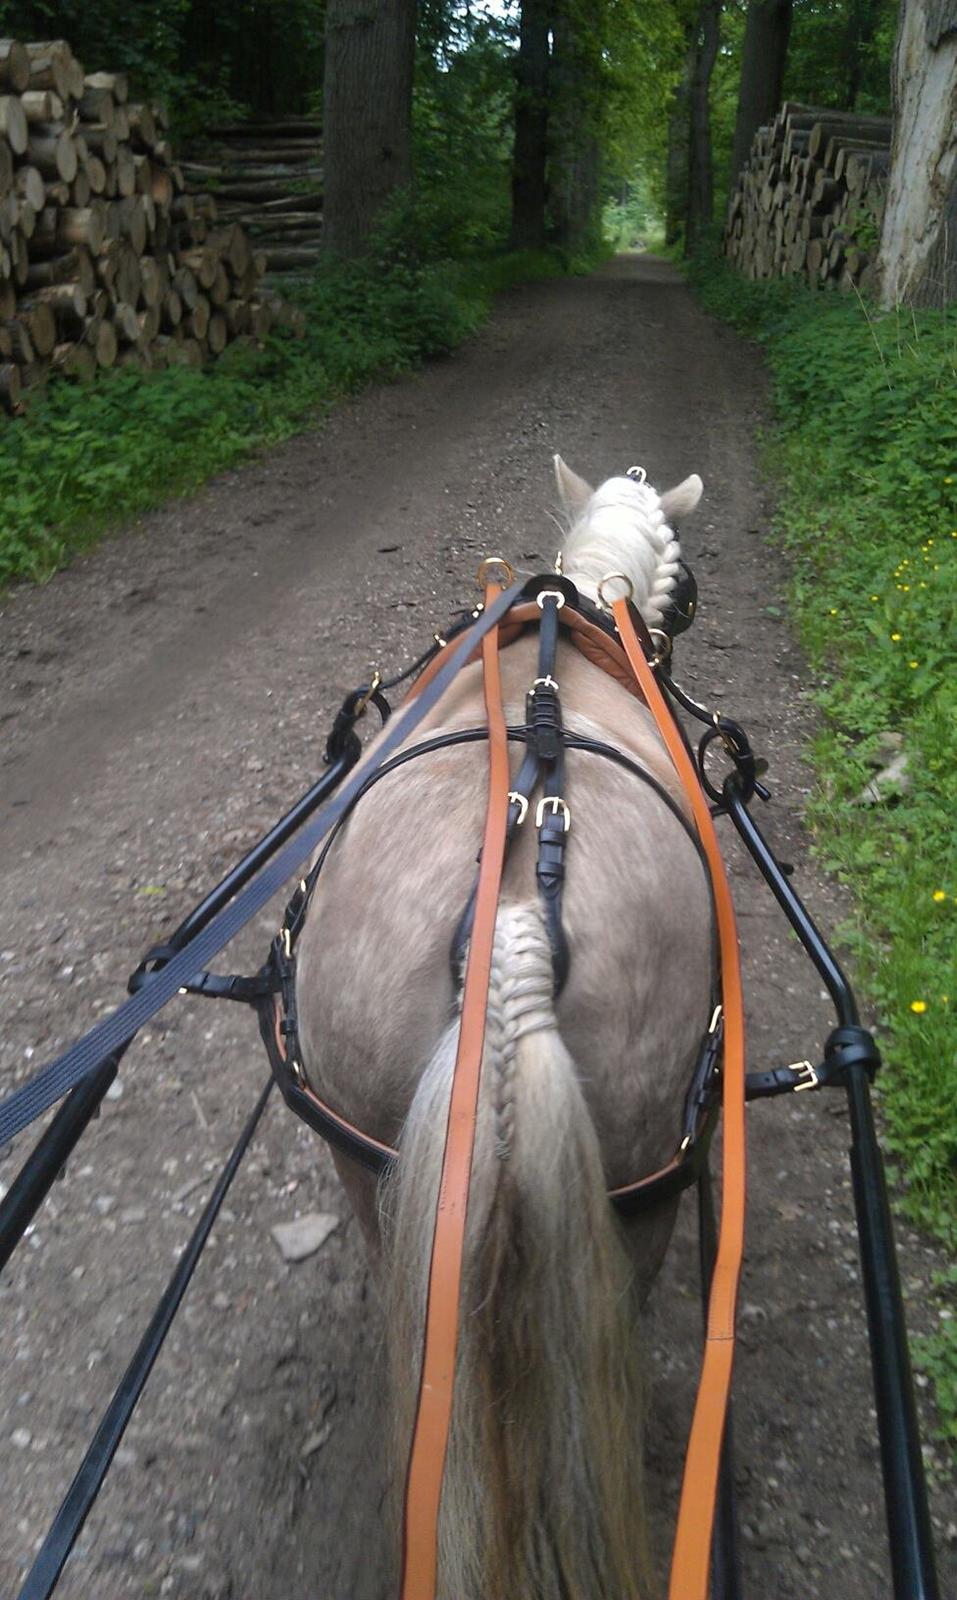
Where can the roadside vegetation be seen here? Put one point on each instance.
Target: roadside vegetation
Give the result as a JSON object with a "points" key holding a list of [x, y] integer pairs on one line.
{"points": [[864, 454], [86, 459]]}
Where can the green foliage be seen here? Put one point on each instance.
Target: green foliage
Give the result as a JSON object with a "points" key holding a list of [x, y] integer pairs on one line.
{"points": [[632, 220], [86, 458], [207, 63], [865, 451], [936, 1356], [821, 69], [462, 133]]}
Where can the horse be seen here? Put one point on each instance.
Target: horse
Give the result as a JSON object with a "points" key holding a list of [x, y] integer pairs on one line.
{"points": [[541, 1497]]}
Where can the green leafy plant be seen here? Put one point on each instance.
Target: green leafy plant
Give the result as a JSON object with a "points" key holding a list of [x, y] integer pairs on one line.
{"points": [[864, 451]]}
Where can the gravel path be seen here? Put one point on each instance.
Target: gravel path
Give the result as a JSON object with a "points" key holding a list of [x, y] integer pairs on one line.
{"points": [[161, 703]]}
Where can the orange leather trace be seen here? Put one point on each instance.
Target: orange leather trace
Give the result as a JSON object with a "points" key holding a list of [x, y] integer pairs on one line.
{"points": [[431, 1433], [691, 1559]]}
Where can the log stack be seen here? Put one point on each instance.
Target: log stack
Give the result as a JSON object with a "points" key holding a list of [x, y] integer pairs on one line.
{"points": [[267, 177], [106, 256], [811, 198]]}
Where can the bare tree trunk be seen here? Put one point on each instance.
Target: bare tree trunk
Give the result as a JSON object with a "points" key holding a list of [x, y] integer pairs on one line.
{"points": [[700, 164], [862, 19], [679, 140], [917, 264], [574, 163], [367, 96], [763, 57], [530, 157]]}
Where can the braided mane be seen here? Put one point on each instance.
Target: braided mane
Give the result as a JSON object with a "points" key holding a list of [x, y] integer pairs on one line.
{"points": [[623, 529]]}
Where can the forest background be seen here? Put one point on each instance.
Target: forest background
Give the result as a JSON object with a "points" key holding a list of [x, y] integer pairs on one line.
{"points": [[530, 139]]}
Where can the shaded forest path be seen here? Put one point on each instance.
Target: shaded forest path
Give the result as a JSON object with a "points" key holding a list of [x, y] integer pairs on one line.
{"points": [[162, 701]]}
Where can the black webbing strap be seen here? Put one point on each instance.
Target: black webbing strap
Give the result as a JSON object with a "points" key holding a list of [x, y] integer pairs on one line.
{"points": [[55, 1079]]}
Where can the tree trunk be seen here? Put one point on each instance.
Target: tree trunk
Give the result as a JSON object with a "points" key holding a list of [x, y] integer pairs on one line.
{"points": [[370, 50], [700, 164], [529, 187], [763, 58], [574, 149], [863, 17], [918, 254], [679, 143]]}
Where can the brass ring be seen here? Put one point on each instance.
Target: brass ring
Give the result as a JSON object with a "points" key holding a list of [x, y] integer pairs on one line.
{"points": [[610, 578], [485, 571], [662, 650]]}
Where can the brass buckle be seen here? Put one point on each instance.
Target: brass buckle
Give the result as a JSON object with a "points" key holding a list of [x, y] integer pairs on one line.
{"points": [[662, 649], [521, 801], [811, 1081], [555, 804], [362, 704]]}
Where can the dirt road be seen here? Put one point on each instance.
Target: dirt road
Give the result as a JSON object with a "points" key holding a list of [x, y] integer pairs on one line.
{"points": [[161, 703]]}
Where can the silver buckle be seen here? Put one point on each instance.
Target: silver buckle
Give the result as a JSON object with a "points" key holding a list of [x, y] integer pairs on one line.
{"points": [[521, 801], [555, 804]]}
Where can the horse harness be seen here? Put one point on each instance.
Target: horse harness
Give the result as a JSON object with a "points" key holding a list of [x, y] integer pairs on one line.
{"points": [[553, 603]]}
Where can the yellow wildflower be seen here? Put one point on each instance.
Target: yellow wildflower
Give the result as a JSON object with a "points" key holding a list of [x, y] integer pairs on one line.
{"points": [[939, 895], [896, 638], [920, 1006]]}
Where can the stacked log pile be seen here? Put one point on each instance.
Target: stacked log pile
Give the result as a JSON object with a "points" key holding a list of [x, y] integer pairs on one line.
{"points": [[106, 258], [267, 177], [811, 198]]}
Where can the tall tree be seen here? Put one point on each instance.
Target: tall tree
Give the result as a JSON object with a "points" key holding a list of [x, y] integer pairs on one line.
{"points": [[863, 19], [530, 159], [580, 48], [367, 115], [917, 264], [763, 58], [679, 146], [700, 163]]}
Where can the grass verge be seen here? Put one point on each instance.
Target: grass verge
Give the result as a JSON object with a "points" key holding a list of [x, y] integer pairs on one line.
{"points": [[864, 453], [87, 458]]}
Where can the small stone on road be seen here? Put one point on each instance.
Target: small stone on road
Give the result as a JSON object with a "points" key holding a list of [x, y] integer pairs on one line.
{"points": [[304, 1236]]}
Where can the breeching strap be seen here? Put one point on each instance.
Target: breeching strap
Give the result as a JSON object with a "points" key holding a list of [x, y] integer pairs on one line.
{"points": [[691, 1558], [431, 1433]]}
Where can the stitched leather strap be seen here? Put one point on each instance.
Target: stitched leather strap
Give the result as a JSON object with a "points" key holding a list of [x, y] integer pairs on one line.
{"points": [[431, 1433], [691, 1560]]}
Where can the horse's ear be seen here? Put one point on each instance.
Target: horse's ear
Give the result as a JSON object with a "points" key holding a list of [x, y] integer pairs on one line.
{"points": [[682, 499], [573, 491]]}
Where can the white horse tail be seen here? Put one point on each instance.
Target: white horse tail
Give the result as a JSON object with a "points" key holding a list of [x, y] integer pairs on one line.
{"points": [[542, 1496]]}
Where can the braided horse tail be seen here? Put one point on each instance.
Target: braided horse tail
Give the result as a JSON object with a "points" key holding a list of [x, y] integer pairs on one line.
{"points": [[542, 1490]]}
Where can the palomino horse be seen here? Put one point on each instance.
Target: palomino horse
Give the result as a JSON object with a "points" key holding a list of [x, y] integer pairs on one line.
{"points": [[542, 1492]]}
